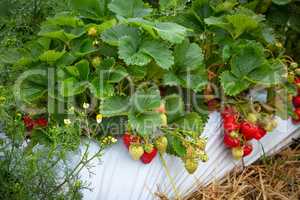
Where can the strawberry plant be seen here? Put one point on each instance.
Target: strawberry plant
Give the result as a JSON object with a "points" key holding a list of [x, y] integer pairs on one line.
{"points": [[142, 65], [120, 57]]}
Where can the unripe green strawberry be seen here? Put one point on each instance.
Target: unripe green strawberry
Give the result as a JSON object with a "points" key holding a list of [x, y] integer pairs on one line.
{"points": [[274, 123], [237, 153], [268, 127], [291, 77], [136, 151], [289, 97], [164, 119], [294, 65], [201, 143], [161, 144], [148, 148], [92, 32], [191, 165], [297, 71], [96, 61], [251, 117], [204, 157], [278, 45]]}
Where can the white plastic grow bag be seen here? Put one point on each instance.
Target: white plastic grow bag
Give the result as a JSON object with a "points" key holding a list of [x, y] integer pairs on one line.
{"points": [[118, 177]]}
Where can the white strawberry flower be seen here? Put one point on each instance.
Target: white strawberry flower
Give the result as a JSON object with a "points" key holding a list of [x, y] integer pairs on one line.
{"points": [[86, 105], [67, 121]]}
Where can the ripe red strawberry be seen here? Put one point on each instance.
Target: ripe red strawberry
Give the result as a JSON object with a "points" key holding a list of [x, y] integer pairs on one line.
{"points": [[229, 119], [296, 114], [297, 82], [127, 139], [260, 133], [247, 149], [41, 122], [249, 130], [148, 157], [296, 101], [229, 127], [230, 141], [29, 122]]}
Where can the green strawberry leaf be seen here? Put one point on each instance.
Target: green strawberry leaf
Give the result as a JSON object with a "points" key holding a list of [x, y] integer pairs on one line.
{"points": [[175, 146], [171, 32], [201, 9], [113, 35], [145, 24], [233, 85], [195, 80], [145, 99], [188, 56], [30, 93], [144, 123], [241, 23], [271, 73], [249, 57], [117, 74], [57, 32], [82, 48], [129, 8], [51, 56], [220, 6], [83, 69], [171, 79], [159, 52], [115, 106], [174, 107], [129, 51], [192, 123], [101, 88], [91, 9], [71, 86]]}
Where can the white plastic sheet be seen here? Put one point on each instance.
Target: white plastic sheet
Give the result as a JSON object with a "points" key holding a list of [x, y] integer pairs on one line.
{"points": [[118, 177]]}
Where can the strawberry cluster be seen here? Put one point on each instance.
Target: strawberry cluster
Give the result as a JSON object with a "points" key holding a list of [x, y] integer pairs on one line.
{"points": [[296, 103], [31, 123], [139, 149], [237, 135], [294, 78]]}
